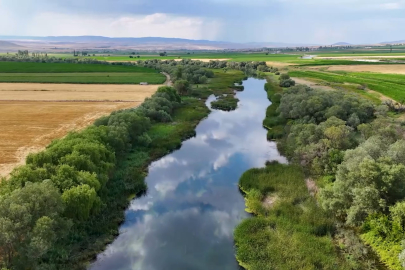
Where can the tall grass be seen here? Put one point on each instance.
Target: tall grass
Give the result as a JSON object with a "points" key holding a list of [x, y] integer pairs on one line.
{"points": [[293, 233], [273, 122]]}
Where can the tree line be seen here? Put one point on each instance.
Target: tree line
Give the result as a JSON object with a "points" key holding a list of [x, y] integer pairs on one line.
{"points": [[47, 204], [356, 153]]}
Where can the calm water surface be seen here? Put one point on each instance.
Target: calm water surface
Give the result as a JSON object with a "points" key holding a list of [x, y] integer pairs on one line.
{"points": [[187, 218]]}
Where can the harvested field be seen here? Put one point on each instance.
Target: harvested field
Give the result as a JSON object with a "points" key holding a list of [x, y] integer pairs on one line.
{"points": [[84, 78], [387, 69], [71, 92], [207, 60], [77, 87], [278, 64], [31, 124]]}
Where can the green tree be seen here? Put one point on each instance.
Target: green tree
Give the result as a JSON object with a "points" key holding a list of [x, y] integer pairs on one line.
{"points": [[80, 201], [179, 72], [29, 218], [182, 86]]}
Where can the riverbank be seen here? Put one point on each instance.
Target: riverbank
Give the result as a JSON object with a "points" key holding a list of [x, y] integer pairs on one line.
{"points": [[193, 203], [93, 175], [290, 230], [165, 138]]}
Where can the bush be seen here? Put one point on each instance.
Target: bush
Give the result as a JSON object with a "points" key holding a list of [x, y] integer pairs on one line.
{"points": [[287, 83]]}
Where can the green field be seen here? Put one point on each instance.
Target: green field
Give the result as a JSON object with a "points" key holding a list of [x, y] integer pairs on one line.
{"points": [[84, 78], [238, 57], [292, 58], [28, 72], [390, 85], [31, 67]]}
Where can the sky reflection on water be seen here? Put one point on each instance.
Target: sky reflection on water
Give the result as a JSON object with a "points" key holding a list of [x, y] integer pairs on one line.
{"points": [[187, 218]]}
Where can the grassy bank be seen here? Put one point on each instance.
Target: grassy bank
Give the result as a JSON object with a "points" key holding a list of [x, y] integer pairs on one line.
{"points": [[273, 122], [289, 230], [91, 237]]}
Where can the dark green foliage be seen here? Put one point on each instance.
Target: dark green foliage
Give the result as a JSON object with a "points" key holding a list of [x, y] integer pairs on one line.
{"points": [[182, 87], [273, 122], [314, 106], [286, 81], [225, 103], [30, 224]]}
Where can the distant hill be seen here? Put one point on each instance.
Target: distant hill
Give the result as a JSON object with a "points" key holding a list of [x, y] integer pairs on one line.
{"points": [[341, 44], [148, 42], [7, 44], [393, 42]]}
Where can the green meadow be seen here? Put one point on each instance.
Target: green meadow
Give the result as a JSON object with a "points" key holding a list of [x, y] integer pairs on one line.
{"points": [[390, 85], [28, 72]]}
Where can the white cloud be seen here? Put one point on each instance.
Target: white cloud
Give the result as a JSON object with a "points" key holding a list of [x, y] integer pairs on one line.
{"points": [[390, 6], [157, 24]]}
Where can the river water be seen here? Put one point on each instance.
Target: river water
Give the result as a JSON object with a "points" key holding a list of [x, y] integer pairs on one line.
{"points": [[186, 219]]}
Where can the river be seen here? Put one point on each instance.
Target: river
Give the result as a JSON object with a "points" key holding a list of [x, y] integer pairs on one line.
{"points": [[186, 219]]}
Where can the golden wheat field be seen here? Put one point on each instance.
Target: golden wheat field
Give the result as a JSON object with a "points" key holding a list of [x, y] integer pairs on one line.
{"points": [[32, 115]]}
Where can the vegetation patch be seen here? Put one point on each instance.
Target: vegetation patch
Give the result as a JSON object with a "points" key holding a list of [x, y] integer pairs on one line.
{"points": [[225, 103], [294, 233]]}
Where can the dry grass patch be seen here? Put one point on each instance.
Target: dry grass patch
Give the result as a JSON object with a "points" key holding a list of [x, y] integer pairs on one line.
{"points": [[312, 84], [278, 64], [207, 60]]}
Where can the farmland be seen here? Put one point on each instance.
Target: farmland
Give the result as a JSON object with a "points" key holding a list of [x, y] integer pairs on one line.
{"points": [[31, 117], [390, 85], [386, 69], [33, 67], [43, 101], [85, 78], [77, 73]]}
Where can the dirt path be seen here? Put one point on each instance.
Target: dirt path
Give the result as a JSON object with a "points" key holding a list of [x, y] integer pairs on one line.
{"points": [[168, 81]]}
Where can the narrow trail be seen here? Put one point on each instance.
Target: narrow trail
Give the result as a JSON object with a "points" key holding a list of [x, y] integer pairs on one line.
{"points": [[168, 81]]}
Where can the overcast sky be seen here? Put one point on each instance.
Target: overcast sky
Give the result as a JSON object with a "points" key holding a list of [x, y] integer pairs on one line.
{"points": [[294, 21]]}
